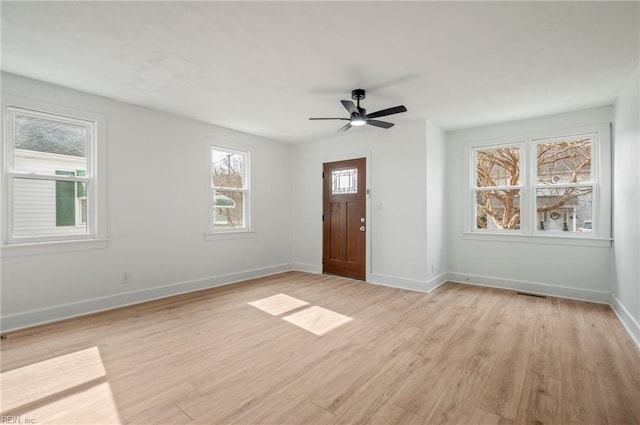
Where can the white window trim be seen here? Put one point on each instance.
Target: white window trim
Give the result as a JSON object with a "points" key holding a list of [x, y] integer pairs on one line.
{"points": [[528, 233], [96, 237], [247, 231]]}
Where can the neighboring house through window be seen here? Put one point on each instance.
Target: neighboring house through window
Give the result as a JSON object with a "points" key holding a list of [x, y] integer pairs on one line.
{"points": [[542, 186]]}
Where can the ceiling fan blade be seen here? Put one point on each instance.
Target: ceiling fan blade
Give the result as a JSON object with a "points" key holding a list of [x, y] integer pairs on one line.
{"points": [[344, 119], [345, 127], [377, 123], [350, 106], [388, 111]]}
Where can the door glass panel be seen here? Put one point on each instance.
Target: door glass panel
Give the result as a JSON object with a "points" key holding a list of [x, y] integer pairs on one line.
{"points": [[344, 181]]}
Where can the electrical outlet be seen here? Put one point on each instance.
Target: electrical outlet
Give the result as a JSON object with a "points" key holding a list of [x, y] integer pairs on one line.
{"points": [[126, 277]]}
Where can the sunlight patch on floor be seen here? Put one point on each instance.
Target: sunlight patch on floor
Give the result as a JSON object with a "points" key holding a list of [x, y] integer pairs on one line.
{"points": [[69, 389], [278, 304], [317, 320]]}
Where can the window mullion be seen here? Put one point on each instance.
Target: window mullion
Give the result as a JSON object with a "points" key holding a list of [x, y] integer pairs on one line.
{"points": [[490, 188], [564, 185], [33, 176]]}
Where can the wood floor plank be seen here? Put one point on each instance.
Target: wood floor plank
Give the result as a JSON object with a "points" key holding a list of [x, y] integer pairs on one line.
{"points": [[540, 401], [390, 414], [284, 403], [306, 413], [486, 354], [617, 374], [457, 402], [163, 414], [364, 403], [461, 354], [420, 395], [338, 391], [504, 386], [581, 398], [438, 332], [575, 338], [482, 417], [483, 315], [546, 350]]}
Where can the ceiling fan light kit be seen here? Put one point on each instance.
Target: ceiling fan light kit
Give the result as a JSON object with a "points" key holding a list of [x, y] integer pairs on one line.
{"points": [[359, 116]]}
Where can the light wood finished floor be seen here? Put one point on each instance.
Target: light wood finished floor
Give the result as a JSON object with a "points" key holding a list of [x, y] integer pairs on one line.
{"points": [[463, 354]]}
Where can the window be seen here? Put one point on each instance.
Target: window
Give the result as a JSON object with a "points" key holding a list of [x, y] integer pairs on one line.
{"points": [[547, 186], [230, 198], [498, 187], [564, 186], [50, 177]]}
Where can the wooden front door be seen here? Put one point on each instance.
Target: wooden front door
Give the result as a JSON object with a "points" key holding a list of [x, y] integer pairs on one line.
{"points": [[344, 218]]}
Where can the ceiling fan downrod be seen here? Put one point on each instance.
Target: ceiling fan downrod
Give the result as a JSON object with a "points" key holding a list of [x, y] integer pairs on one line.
{"points": [[358, 94]]}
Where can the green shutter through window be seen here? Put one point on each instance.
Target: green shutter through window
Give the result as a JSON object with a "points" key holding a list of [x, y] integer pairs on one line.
{"points": [[81, 186], [65, 200]]}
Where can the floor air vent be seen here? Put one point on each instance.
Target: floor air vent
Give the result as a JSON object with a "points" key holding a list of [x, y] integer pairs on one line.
{"points": [[531, 295]]}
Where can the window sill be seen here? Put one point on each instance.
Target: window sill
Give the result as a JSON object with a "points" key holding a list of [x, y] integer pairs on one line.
{"points": [[54, 247], [586, 241], [229, 234]]}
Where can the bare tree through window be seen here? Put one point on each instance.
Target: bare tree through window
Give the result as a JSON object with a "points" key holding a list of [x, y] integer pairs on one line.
{"points": [[563, 185], [229, 175]]}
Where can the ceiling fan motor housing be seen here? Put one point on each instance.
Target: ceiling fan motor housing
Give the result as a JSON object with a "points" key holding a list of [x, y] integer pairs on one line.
{"points": [[358, 94]]}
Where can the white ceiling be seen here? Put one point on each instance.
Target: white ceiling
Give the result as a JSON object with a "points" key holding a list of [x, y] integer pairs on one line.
{"points": [[265, 67]]}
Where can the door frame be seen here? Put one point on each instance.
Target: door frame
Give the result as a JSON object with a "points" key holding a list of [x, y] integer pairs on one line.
{"points": [[367, 246]]}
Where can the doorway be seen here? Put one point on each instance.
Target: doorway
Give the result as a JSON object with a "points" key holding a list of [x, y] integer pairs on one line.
{"points": [[344, 218]]}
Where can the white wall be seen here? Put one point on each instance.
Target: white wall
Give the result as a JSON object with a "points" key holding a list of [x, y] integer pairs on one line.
{"points": [[581, 272], [396, 214], [157, 177], [436, 206], [626, 207]]}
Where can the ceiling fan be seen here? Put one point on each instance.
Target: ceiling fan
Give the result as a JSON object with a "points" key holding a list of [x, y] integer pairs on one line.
{"points": [[359, 115]]}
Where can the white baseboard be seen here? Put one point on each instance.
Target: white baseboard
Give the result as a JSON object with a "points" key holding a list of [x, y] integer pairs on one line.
{"points": [[383, 279], [540, 288], [398, 282], [630, 324], [309, 268], [437, 281], [30, 318]]}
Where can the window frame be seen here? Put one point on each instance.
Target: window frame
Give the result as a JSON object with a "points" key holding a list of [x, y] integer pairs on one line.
{"points": [[529, 233], [95, 179], [246, 230]]}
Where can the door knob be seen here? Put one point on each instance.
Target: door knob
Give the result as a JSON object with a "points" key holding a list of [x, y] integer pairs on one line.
{"points": [[362, 220], [362, 228]]}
